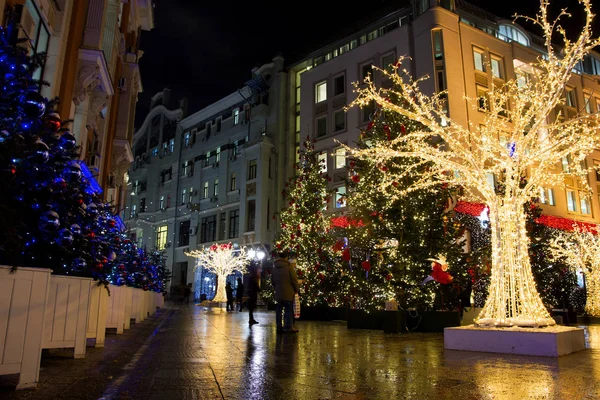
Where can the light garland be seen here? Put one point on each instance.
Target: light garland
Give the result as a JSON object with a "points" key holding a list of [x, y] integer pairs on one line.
{"points": [[223, 260], [463, 156], [580, 249]]}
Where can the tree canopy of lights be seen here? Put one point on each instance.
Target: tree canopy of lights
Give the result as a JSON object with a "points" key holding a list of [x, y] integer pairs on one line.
{"points": [[305, 228], [399, 233], [580, 249], [222, 260], [522, 135]]}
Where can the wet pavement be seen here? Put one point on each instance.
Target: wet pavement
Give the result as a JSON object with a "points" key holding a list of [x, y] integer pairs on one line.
{"points": [[199, 353]]}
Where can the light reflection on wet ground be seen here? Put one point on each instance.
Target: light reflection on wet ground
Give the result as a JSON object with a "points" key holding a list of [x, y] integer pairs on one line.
{"points": [[213, 354]]}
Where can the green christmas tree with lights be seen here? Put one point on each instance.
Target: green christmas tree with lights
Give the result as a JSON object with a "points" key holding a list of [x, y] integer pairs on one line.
{"points": [[390, 251], [305, 230]]}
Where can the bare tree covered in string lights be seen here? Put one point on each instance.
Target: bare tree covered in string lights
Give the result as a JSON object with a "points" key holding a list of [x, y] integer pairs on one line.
{"points": [[518, 139]]}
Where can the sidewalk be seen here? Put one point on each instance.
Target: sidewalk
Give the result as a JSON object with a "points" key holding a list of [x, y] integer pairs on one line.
{"points": [[199, 353]]}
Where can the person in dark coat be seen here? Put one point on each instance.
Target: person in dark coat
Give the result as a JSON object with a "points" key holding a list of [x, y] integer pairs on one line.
{"points": [[252, 288], [229, 293], [285, 283], [239, 292]]}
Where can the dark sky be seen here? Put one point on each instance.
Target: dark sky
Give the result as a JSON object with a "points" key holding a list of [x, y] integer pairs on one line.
{"points": [[205, 50]]}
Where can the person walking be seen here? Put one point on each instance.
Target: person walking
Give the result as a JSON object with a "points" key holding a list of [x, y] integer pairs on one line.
{"points": [[253, 287], [229, 293], [285, 283], [239, 293], [187, 291]]}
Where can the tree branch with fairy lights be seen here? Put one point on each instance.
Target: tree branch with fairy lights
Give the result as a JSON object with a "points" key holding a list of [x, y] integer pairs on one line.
{"points": [[522, 135]]}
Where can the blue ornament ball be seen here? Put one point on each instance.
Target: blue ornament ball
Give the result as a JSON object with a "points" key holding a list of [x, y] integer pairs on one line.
{"points": [[72, 171], [92, 209], [67, 141], [49, 222], [76, 229], [78, 264], [64, 237], [59, 185], [32, 105]]}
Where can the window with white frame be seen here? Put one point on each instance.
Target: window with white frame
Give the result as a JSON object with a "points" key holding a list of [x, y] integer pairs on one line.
{"points": [[205, 190], [216, 188], [340, 158], [497, 66], [320, 92], [479, 59], [184, 196], [161, 237], [322, 160], [570, 97], [236, 116], [571, 201], [161, 203], [340, 197], [588, 104], [547, 196]]}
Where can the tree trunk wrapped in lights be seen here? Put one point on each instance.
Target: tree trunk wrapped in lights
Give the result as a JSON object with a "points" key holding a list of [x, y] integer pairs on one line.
{"points": [[581, 250], [222, 260], [517, 140]]}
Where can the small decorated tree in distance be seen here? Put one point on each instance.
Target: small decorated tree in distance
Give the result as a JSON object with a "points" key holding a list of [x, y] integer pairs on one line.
{"points": [[222, 260]]}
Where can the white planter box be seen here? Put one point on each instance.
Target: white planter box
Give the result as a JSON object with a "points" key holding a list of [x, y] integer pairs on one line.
{"points": [[96, 324], [115, 311], [23, 297], [128, 307], [137, 305], [67, 313]]}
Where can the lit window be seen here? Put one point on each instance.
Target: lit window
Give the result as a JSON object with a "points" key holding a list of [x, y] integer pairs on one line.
{"points": [[566, 164], [570, 98], [216, 188], [133, 211], [482, 100], [161, 203], [510, 33], [491, 180], [340, 158], [171, 145], [547, 196], [322, 160], [205, 190], [571, 201], [186, 141], [588, 104], [161, 237], [585, 204], [321, 92], [252, 167], [478, 58], [340, 197], [496, 65], [522, 78], [183, 196], [236, 116], [218, 157], [438, 47], [233, 182]]}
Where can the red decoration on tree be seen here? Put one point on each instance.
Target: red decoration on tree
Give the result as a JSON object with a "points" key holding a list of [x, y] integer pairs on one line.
{"points": [[355, 178], [346, 254], [366, 265]]}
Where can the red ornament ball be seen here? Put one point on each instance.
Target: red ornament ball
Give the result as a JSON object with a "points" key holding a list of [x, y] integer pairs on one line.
{"points": [[366, 265]]}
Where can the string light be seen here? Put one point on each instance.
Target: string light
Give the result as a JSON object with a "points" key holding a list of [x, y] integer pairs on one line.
{"points": [[580, 249], [222, 260], [516, 140]]}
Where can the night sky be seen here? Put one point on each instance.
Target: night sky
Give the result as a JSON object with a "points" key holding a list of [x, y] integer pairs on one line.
{"points": [[205, 50]]}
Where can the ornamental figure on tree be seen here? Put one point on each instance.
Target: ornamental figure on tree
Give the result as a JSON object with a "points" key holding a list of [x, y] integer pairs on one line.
{"points": [[521, 136], [580, 249], [304, 229], [398, 234], [222, 260]]}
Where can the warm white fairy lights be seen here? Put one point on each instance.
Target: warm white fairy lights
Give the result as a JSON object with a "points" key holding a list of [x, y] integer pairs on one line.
{"points": [[223, 260], [518, 140], [580, 250]]}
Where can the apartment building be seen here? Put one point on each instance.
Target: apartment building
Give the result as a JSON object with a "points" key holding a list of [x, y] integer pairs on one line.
{"points": [[92, 53], [210, 176], [463, 49]]}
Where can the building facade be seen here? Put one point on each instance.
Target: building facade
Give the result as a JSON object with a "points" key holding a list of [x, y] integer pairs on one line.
{"points": [[464, 50], [210, 177], [92, 53]]}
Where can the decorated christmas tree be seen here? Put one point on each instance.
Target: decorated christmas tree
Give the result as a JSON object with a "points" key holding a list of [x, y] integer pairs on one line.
{"points": [[305, 230], [394, 249]]}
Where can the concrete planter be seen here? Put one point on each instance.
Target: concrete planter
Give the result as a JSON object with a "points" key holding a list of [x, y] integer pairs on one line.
{"points": [[160, 300], [23, 297], [115, 315], [67, 312], [96, 323]]}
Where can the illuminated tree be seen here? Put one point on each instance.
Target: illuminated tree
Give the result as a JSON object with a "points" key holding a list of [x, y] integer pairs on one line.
{"points": [[580, 249], [518, 138], [222, 260]]}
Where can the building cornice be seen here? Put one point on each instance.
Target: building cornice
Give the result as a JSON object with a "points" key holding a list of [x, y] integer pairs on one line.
{"points": [[161, 109]]}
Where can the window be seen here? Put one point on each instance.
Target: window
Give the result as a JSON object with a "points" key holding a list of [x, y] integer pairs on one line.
{"points": [[188, 168], [165, 148], [322, 160], [233, 182], [478, 58], [222, 225], [547, 196], [161, 237], [320, 92], [143, 204], [208, 229], [216, 188], [252, 169], [367, 111], [171, 145], [219, 125], [339, 120], [184, 196], [522, 78], [218, 155], [187, 140], [184, 233], [208, 127], [234, 223], [340, 158], [340, 197], [251, 215], [207, 159], [497, 67], [509, 33], [387, 62], [161, 203], [566, 164], [39, 36], [133, 211], [570, 98], [366, 71], [339, 85], [491, 180], [571, 201], [205, 190], [155, 151], [321, 126], [482, 100], [585, 203], [588, 104], [438, 47], [236, 116]]}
